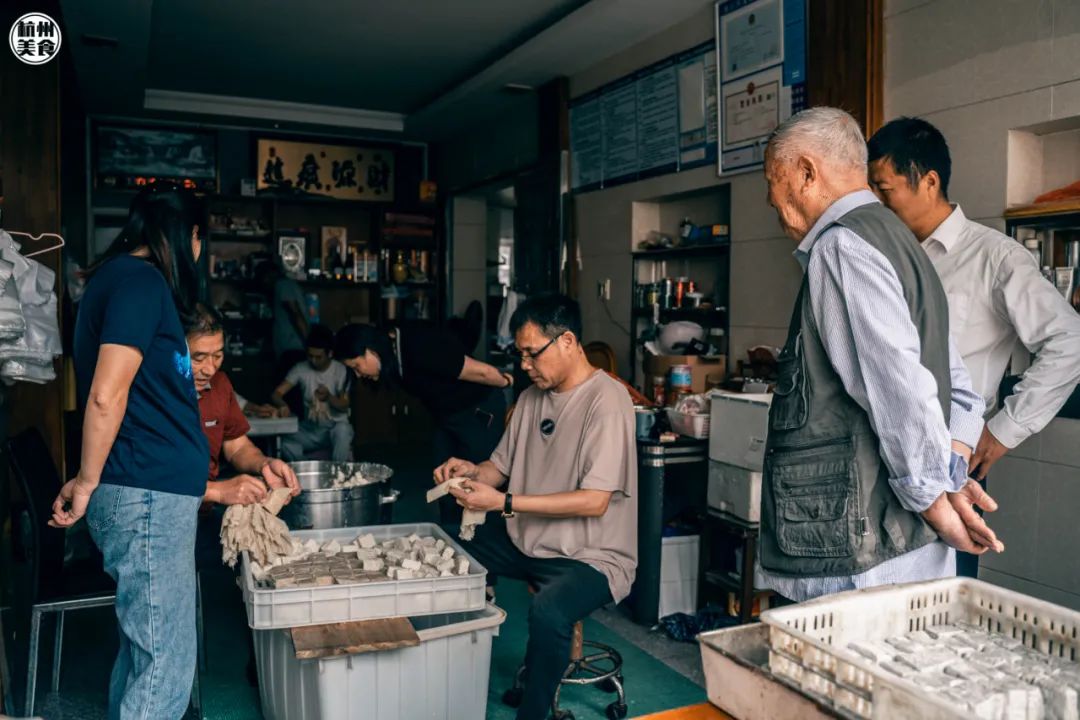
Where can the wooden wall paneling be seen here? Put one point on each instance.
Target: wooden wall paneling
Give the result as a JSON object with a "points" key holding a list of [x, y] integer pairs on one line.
{"points": [[845, 51], [30, 178]]}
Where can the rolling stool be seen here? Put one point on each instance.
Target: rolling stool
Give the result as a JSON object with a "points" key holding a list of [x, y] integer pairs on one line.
{"points": [[602, 667]]}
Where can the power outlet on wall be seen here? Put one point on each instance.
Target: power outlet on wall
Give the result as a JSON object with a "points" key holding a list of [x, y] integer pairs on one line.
{"points": [[603, 289]]}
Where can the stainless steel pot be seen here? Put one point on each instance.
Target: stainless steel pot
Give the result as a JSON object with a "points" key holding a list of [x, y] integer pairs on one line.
{"points": [[320, 506]]}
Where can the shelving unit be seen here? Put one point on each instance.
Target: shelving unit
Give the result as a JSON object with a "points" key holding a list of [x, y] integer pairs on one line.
{"points": [[706, 264]]}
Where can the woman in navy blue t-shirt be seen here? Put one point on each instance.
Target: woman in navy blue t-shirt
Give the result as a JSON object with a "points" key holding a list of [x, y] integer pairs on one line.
{"points": [[144, 456]]}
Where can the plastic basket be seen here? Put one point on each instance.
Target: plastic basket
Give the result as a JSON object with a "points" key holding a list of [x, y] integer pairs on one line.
{"points": [[695, 425], [294, 607], [808, 642]]}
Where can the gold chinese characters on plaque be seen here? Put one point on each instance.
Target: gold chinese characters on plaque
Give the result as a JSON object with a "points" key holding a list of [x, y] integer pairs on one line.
{"points": [[334, 171]]}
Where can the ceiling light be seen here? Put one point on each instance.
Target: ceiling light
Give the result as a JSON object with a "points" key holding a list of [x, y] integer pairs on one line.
{"points": [[278, 110]]}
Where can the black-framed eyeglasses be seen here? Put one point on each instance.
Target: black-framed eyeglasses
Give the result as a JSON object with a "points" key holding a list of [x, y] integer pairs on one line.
{"points": [[523, 355]]}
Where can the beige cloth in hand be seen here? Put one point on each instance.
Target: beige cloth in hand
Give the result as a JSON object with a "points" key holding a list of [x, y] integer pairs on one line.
{"points": [[257, 529], [319, 410], [469, 518]]}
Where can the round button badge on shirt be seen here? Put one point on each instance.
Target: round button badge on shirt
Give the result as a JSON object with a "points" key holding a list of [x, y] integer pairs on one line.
{"points": [[547, 426]]}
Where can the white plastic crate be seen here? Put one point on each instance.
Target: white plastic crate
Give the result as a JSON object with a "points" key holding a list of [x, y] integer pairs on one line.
{"points": [[294, 607], [695, 425], [735, 490], [808, 642], [445, 677], [679, 574]]}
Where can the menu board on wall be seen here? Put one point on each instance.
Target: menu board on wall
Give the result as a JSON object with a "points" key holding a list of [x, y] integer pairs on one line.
{"points": [[587, 143], [658, 119], [761, 48], [712, 104], [620, 131]]}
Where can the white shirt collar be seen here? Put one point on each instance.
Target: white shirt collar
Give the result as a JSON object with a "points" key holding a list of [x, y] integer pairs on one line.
{"points": [[947, 234]]}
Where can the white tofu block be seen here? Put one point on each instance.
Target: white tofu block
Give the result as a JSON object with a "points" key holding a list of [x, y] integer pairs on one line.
{"points": [[367, 553], [439, 545], [413, 539], [331, 548], [410, 564], [463, 566], [873, 651], [897, 669], [394, 557], [350, 548], [942, 631], [446, 573], [428, 541], [447, 553], [311, 547], [374, 565], [1060, 700], [432, 558], [404, 574], [404, 544], [445, 566], [366, 541]]}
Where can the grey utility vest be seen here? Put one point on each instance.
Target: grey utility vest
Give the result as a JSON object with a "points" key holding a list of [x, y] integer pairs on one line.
{"points": [[827, 507]]}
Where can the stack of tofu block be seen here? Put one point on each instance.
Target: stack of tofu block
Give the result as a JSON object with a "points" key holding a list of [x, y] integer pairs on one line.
{"points": [[363, 560], [993, 676]]}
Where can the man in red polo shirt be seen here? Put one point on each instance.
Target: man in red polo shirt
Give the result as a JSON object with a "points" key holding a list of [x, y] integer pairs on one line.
{"points": [[224, 423]]}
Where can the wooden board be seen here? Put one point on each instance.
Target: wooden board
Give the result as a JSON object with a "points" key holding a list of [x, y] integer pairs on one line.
{"points": [[352, 638]]}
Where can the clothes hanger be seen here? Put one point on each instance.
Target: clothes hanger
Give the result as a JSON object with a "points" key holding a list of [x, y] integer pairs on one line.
{"points": [[35, 238]]}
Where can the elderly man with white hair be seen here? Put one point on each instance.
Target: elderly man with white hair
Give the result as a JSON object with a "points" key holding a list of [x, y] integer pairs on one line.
{"points": [[874, 417]]}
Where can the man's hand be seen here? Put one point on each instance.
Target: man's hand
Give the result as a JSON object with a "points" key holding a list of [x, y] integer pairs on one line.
{"points": [[454, 468], [277, 473], [76, 495], [989, 451], [240, 490], [964, 501], [260, 411], [473, 495], [322, 393], [953, 529]]}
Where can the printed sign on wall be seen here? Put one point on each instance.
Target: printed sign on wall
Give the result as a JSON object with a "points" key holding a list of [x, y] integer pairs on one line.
{"points": [[333, 171]]}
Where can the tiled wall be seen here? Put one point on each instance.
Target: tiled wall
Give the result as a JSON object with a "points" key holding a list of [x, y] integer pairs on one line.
{"points": [[468, 271], [978, 69], [764, 277]]}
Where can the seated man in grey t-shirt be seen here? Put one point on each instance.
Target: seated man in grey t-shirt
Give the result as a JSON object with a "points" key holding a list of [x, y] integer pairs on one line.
{"points": [[571, 503]]}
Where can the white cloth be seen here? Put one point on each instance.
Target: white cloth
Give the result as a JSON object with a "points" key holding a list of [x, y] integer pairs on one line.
{"points": [[334, 378], [29, 329], [503, 337], [997, 296]]}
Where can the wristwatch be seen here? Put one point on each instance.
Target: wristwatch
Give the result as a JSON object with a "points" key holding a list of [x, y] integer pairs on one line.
{"points": [[508, 506]]}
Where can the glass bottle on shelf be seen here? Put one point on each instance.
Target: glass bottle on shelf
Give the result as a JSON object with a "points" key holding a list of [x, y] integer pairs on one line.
{"points": [[400, 269]]}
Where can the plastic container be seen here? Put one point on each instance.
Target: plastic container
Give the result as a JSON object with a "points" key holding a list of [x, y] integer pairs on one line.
{"points": [[808, 642], [739, 429], [734, 490], [445, 677], [679, 574], [695, 425], [294, 607]]}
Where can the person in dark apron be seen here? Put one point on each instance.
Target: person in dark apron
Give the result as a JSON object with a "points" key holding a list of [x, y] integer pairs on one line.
{"points": [[466, 397]]}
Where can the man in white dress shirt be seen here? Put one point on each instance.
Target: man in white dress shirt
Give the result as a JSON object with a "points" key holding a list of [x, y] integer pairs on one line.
{"points": [[997, 295]]}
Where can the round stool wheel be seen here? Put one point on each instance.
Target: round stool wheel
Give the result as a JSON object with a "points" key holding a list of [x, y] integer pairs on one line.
{"points": [[609, 685], [512, 697], [616, 711], [562, 715]]}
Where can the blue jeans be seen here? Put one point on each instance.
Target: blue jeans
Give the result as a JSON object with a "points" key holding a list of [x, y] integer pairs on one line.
{"points": [[148, 541]]}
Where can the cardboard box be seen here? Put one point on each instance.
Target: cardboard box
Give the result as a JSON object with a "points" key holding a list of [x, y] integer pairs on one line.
{"points": [[735, 490], [700, 369], [738, 428]]}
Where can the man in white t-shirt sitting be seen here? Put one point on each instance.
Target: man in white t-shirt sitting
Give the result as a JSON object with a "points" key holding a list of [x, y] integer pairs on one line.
{"points": [[570, 506], [324, 383]]}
